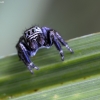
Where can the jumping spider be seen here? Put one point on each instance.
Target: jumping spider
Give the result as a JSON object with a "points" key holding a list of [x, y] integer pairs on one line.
{"points": [[36, 38]]}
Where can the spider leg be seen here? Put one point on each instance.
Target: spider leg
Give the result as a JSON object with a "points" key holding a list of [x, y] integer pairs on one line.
{"points": [[24, 56], [57, 44], [64, 43]]}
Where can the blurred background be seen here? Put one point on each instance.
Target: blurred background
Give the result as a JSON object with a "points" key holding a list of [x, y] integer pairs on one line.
{"points": [[71, 18]]}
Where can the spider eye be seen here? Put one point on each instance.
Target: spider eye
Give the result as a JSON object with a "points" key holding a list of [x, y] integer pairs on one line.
{"points": [[28, 32], [33, 30]]}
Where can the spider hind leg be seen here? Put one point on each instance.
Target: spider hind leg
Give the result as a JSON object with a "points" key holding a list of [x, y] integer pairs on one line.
{"points": [[63, 42], [57, 44]]}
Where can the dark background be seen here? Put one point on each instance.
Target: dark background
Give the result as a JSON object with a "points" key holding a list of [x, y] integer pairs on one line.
{"points": [[71, 18]]}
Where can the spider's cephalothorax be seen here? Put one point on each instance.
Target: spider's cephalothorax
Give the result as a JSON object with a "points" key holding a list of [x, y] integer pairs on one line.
{"points": [[36, 38]]}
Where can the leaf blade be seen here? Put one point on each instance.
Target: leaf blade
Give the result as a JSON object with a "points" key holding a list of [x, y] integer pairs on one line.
{"points": [[15, 79]]}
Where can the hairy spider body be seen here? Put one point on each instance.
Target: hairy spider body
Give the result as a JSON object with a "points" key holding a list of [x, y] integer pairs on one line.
{"points": [[36, 38]]}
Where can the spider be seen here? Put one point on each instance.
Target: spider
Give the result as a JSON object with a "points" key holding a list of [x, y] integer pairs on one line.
{"points": [[35, 38]]}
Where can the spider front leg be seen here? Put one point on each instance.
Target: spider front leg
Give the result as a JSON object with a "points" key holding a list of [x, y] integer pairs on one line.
{"points": [[24, 56], [63, 42]]}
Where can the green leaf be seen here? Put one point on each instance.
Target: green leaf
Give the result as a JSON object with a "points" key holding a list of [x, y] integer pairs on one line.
{"points": [[76, 78]]}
